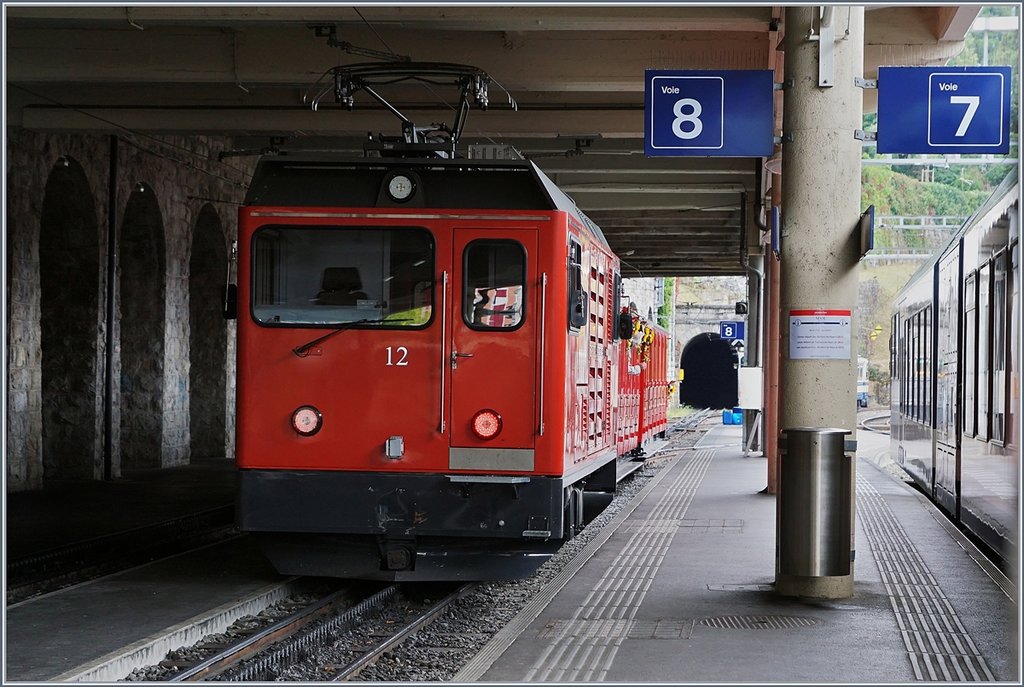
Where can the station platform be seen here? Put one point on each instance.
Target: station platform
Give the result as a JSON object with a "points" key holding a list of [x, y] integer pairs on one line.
{"points": [[48, 635], [683, 592], [679, 588]]}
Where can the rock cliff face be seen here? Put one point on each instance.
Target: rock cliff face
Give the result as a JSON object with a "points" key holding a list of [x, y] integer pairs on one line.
{"points": [[724, 291]]}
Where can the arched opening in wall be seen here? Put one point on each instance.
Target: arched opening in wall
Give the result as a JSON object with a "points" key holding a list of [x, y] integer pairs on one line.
{"points": [[207, 337], [142, 269], [69, 263], [709, 365]]}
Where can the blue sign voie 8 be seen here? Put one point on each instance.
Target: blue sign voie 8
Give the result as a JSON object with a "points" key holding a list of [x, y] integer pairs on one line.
{"points": [[730, 330], [708, 113], [944, 110]]}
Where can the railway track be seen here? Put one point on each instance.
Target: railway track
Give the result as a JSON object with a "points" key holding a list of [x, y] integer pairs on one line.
{"points": [[333, 629], [55, 569], [875, 423], [338, 637], [385, 645]]}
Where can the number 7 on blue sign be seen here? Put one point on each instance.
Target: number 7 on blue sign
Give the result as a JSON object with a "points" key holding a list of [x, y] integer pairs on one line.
{"points": [[961, 94], [944, 110]]}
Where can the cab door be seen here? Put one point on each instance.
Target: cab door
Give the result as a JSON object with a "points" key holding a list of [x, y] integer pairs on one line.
{"points": [[493, 359]]}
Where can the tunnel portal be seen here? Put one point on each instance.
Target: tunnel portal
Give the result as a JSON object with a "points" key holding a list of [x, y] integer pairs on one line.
{"points": [[709, 365]]}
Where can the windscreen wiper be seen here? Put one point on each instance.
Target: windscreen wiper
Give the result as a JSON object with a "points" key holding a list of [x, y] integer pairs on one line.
{"points": [[303, 350]]}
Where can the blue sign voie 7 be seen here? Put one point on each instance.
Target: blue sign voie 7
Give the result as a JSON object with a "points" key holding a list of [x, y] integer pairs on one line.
{"points": [[730, 330], [708, 113], [944, 110]]}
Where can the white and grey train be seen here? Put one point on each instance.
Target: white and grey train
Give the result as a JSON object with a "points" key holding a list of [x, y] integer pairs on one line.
{"points": [[955, 366]]}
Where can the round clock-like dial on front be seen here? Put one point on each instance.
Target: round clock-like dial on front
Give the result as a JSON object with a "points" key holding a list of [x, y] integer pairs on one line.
{"points": [[401, 188]]}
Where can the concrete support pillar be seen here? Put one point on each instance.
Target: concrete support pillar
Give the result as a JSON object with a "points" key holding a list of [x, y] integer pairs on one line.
{"points": [[820, 211]]}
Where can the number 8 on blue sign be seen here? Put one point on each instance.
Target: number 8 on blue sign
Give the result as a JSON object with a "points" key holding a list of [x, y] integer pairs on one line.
{"points": [[694, 107], [701, 112], [692, 118], [730, 330]]}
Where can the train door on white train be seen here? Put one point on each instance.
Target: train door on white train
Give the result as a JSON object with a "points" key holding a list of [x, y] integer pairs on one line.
{"points": [[494, 317]]}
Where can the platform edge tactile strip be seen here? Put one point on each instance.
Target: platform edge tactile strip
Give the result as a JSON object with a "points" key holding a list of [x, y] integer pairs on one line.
{"points": [[668, 508], [638, 560], [938, 646], [504, 638]]}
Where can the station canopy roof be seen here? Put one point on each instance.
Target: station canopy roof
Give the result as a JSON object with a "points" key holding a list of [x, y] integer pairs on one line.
{"points": [[575, 74]]}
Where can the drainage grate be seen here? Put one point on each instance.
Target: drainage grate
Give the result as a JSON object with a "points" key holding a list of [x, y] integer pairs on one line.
{"points": [[741, 588], [600, 626], [757, 622]]}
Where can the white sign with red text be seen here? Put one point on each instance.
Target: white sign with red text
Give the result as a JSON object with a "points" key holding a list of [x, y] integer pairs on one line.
{"points": [[819, 334]]}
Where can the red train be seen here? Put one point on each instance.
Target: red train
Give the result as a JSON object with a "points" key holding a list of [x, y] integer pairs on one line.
{"points": [[431, 367]]}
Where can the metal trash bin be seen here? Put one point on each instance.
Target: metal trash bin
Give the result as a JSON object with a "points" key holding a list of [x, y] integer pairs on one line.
{"points": [[814, 517]]}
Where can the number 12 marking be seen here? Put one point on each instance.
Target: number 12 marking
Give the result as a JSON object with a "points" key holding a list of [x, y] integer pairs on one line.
{"points": [[402, 359]]}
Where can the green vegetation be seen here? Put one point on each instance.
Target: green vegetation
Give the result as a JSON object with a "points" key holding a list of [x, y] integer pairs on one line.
{"points": [[666, 311], [677, 411], [893, 192], [879, 285], [896, 194], [952, 191]]}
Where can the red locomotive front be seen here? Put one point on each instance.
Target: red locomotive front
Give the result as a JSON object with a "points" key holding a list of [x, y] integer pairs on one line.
{"points": [[412, 337]]}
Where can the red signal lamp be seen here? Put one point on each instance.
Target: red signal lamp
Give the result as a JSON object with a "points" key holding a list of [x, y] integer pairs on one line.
{"points": [[486, 424], [307, 420]]}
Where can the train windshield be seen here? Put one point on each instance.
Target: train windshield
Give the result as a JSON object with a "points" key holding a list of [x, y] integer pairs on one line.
{"points": [[333, 275]]}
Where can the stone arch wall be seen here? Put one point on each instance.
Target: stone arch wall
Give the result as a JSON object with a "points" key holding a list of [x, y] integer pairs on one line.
{"points": [[207, 337], [69, 309], [23, 451], [31, 157], [142, 263], [185, 176]]}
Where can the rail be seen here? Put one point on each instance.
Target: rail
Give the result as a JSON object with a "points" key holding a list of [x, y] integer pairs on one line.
{"points": [[236, 653], [875, 423], [374, 653]]}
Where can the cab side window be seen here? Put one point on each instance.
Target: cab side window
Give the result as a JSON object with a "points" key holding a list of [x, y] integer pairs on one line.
{"points": [[494, 284], [577, 297]]}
